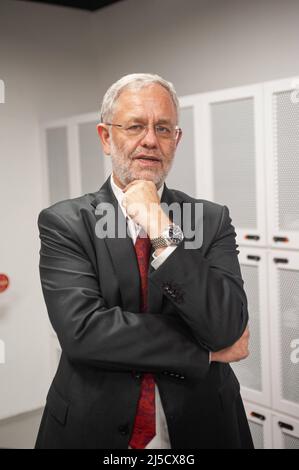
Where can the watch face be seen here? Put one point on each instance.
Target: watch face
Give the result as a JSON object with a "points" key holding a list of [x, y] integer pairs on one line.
{"points": [[175, 234]]}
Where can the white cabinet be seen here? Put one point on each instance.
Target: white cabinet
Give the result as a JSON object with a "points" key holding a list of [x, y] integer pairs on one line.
{"points": [[230, 129], [254, 372], [260, 424], [271, 430], [248, 145], [74, 163], [284, 307], [285, 432], [182, 175], [57, 181], [93, 165], [281, 104]]}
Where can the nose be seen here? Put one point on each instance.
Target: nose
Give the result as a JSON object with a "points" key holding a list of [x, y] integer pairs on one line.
{"points": [[149, 140]]}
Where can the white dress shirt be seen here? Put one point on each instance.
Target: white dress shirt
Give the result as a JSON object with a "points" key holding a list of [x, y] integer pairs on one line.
{"points": [[161, 439]]}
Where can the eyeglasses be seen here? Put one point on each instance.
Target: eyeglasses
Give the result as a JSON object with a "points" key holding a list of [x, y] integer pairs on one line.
{"points": [[140, 130]]}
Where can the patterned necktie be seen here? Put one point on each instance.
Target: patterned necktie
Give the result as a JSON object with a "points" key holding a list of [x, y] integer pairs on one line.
{"points": [[145, 420]]}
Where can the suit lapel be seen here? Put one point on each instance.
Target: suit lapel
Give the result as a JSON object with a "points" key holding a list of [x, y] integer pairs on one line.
{"points": [[122, 253], [123, 256]]}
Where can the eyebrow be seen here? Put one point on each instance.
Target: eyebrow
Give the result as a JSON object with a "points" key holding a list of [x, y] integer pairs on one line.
{"points": [[140, 119]]}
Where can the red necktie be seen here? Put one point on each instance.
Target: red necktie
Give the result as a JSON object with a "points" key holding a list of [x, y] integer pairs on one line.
{"points": [[145, 420]]}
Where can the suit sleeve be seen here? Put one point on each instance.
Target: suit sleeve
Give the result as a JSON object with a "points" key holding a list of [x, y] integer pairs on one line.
{"points": [[108, 338], [207, 291]]}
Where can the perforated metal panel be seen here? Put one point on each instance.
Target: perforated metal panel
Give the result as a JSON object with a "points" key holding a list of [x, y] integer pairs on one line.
{"points": [[233, 155], [57, 160], [249, 371], [290, 442], [91, 157], [289, 330], [257, 433], [286, 158], [182, 175]]}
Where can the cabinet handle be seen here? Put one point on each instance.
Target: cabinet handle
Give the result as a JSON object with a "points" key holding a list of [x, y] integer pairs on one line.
{"points": [[281, 239], [281, 260], [252, 237], [258, 416], [282, 425], [253, 257]]}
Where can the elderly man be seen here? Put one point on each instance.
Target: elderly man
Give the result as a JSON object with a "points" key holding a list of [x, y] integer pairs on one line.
{"points": [[147, 323]]}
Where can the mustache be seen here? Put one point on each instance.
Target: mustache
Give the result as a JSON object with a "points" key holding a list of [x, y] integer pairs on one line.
{"points": [[141, 153], [120, 152]]}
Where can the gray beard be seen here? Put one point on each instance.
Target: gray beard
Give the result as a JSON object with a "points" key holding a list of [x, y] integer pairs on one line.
{"points": [[124, 174]]}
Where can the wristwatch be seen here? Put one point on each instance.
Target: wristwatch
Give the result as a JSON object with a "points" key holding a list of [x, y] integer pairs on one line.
{"points": [[171, 236]]}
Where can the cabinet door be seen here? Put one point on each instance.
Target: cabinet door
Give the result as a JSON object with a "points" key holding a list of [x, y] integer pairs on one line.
{"points": [[285, 432], [282, 157], [254, 372], [93, 166], [182, 175], [231, 147], [284, 308], [57, 180], [259, 420], [75, 163]]}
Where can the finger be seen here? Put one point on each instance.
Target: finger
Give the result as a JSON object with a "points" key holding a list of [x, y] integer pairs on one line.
{"points": [[133, 183]]}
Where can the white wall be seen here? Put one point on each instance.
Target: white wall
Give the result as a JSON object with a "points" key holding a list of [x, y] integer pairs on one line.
{"points": [[200, 45], [20, 431], [47, 63], [57, 62]]}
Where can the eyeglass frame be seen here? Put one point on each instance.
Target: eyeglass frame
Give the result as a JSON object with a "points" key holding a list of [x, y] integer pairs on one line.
{"points": [[177, 129]]}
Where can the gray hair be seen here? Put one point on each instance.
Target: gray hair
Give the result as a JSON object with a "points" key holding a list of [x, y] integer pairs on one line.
{"points": [[134, 81]]}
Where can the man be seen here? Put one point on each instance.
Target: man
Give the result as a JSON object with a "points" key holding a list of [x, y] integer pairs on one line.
{"points": [[147, 324]]}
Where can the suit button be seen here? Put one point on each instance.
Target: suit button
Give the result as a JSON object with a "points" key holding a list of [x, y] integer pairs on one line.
{"points": [[123, 429]]}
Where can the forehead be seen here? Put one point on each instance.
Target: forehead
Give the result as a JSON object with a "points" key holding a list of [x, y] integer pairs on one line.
{"points": [[150, 100]]}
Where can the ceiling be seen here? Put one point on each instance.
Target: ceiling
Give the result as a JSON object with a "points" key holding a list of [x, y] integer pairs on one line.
{"points": [[89, 5]]}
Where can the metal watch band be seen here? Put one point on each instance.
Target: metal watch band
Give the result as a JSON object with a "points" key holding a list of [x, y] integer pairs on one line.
{"points": [[159, 242]]}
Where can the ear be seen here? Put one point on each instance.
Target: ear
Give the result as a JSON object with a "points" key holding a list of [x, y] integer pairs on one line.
{"points": [[104, 135]]}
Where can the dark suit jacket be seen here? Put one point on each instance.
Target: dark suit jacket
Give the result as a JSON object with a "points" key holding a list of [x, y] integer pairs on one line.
{"points": [[196, 304]]}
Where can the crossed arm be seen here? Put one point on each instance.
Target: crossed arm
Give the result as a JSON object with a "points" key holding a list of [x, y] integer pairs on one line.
{"points": [[115, 339], [211, 299]]}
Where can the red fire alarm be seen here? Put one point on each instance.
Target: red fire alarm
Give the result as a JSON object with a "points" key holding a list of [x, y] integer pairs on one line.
{"points": [[4, 282]]}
